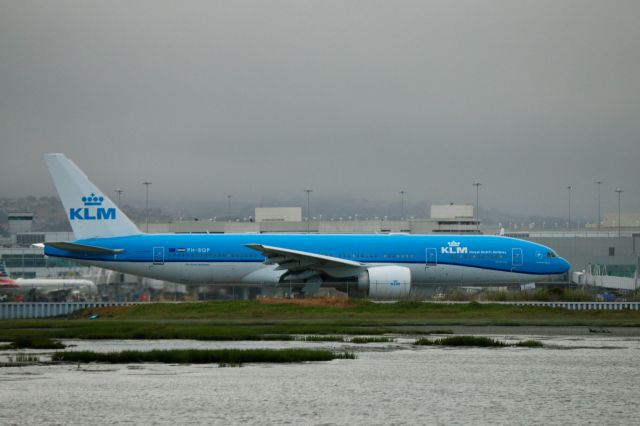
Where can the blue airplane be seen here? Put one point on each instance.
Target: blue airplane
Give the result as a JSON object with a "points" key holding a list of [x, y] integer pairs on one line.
{"points": [[382, 265]]}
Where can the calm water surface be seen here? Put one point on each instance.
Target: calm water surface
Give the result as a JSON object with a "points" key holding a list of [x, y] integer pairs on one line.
{"points": [[585, 380]]}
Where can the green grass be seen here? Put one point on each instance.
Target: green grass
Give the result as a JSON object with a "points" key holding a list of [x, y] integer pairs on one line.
{"points": [[363, 310], [539, 294], [205, 356]]}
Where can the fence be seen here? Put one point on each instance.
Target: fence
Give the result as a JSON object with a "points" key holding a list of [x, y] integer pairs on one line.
{"points": [[46, 309]]}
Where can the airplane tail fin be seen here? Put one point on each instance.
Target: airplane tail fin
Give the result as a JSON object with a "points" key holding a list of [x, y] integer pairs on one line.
{"points": [[3, 271], [90, 213]]}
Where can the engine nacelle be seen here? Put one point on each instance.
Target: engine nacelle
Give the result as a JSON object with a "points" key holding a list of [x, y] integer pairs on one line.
{"points": [[386, 282]]}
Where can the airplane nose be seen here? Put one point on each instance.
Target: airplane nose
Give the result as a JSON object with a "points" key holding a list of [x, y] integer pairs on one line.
{"points": [[565, 265]]}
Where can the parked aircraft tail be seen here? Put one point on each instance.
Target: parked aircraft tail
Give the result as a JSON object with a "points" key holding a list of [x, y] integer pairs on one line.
{"points": [[89, 211]]}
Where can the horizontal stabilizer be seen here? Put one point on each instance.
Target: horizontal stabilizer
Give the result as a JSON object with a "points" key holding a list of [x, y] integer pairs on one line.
{"points": [[83, 248]]}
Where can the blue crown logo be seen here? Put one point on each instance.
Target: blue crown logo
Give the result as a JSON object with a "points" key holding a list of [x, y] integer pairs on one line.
{"points": [[92, 200], [454, 244]]}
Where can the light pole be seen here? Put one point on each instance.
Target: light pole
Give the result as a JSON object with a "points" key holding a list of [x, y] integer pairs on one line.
{"points": [[619, 191], [477, 185], [229, 207], [119, 192], [569, 198], [146, 184], [308, 191], [402, 204], [598, 182]]}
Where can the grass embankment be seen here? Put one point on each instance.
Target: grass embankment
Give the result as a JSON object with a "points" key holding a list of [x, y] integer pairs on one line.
{"points": [[476, 341], [365, 312], [198, 356], [251, 320]]}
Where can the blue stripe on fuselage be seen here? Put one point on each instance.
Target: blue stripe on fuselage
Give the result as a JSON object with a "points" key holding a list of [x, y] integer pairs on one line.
{"points": [[477, 251]]}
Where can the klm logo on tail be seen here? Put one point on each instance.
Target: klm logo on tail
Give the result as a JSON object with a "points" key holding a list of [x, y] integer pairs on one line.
{"points": [[92, 210]]}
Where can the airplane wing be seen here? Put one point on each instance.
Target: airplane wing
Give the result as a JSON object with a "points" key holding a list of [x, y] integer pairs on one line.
{"points": [[301, 265]]}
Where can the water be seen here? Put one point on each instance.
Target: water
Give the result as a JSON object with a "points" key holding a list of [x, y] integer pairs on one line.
{"points": [[576, 379]]}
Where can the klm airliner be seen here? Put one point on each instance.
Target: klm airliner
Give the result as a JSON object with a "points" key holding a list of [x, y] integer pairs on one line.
{"points": [[382, 265]]}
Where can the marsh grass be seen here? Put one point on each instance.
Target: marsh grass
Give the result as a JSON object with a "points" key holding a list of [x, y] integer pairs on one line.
{"points": [[320, 338], [32, 342], [479, 341], [26, 358], [364, 340], [186, 329], [476, 341], [224, 357], [530, 344]]}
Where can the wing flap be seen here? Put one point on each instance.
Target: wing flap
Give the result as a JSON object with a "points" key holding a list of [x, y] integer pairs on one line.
{"points": [[275, 252], [301, 263]]}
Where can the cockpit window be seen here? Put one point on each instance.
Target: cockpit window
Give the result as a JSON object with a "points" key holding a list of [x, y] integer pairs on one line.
{"points": [[551, 254]]}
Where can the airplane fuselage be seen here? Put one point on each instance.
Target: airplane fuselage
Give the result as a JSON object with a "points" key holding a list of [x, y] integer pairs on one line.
{"points": [[226, 259]]}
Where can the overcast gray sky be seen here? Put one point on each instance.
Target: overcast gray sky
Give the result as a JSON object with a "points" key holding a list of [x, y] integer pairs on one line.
{"points": [[264, 98]]}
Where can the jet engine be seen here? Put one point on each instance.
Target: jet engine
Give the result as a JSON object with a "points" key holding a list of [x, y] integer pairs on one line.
{"points": [[386, 282]]}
